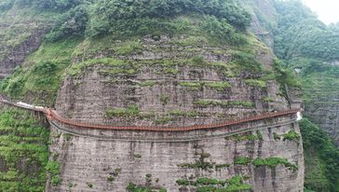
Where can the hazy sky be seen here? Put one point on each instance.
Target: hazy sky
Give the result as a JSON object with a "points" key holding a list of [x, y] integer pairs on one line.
{"points": [[327, 10]]}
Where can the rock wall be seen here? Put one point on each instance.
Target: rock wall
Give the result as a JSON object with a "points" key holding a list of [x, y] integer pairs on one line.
{"points": [[170, 84], [198, 93], [97, 164], [325, 114], [19, 53]]}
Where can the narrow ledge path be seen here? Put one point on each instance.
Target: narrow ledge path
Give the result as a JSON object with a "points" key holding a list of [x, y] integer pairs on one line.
{"points": [[52, 115]]}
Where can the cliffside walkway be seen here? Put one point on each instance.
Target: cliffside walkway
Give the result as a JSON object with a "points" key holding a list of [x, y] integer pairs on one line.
{"points": [[53, 116]]}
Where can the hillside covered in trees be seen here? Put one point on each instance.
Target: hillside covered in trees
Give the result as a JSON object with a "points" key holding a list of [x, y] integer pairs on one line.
{"points": [[304, 43]]}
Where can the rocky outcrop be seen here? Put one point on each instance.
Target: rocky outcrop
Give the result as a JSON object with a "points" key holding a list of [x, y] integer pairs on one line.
{"points": [[19, 53], [175, 86], [325, 114], [167, 84], [91, 163]]}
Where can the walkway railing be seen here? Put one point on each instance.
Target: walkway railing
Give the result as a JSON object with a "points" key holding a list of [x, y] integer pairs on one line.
{"points": [[52, 115]]}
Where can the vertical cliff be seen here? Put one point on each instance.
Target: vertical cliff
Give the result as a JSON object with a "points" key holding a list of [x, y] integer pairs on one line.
{"points": [[178, 80], [163, 64], [124, 161]]}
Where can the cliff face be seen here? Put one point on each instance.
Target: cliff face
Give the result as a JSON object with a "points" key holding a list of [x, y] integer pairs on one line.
{"points": [[322, 102], [21, 34], [166, 83], [164, 80], [92, 163]]}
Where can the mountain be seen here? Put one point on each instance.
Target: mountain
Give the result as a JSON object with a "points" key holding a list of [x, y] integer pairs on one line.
{"points": [[163, 64]]}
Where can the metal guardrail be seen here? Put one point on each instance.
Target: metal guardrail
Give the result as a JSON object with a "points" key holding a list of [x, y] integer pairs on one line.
{"points": [[53, 115]]}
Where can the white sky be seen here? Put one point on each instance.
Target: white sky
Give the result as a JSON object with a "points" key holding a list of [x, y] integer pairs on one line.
{"points": [[327, 10]]}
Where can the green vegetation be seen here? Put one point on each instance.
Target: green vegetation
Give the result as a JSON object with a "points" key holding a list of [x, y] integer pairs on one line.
{"points": [[147, 187], [242, 161], [110, 178], [20, 25], [256, 83], [137, 156], [197, 165], [41, 5], [164, 99], [219, 86], [192, 85], [317, 40], [221, 20], [246, 137], [42, 74], [71, 24], [135, 188], [291, 136], [318, 82], [204, 184], [321, 158], [90, 185], [271, 162], [149, 17], [53, 168], [206, 103], [268, 99], [129, 47], [24, 153], [247, 61], [201, 163], [117, 66], [130, 111]]}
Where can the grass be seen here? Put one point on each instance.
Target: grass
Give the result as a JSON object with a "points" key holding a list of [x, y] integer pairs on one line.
{"points": [[21, 25], [205, 184], [42, 73], [271, 162], [129, 112], [242, 161], [117, 66], [213, 103], [219, 86], [129, 47], [23, 141], [321, 158], [192, 85], [139, 188], [256, 83]]}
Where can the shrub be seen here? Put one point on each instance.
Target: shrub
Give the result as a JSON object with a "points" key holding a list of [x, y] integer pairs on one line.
{"points": [[242, 161], [137, 18], [291, 136], [130, 111], [73, 23]]}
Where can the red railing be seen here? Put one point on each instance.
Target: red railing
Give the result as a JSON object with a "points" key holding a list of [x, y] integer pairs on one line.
{"points": [[53, 115]]}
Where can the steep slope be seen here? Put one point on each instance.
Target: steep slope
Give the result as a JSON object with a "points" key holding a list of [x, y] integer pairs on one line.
{"points": [[313, 51], [24, 152], [310, 47], [21, 32], [171, 65]]}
